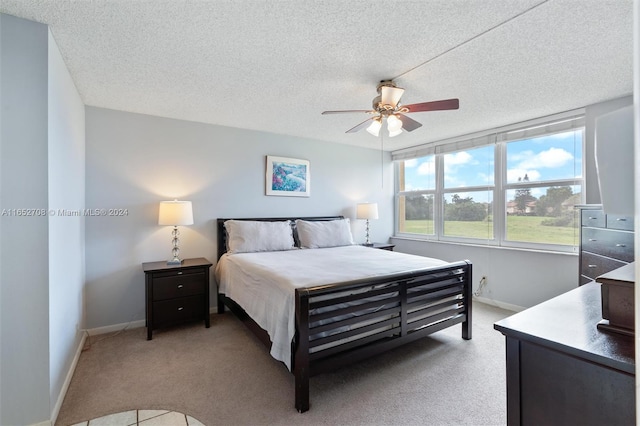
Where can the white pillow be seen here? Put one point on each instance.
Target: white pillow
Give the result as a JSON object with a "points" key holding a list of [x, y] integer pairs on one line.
{"points": [[245, 236], [324, 233]]}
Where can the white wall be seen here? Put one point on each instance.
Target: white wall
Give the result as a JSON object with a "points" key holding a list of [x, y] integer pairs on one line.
{"points": [[66, 233], [134, 161], [24, 249], [516, 278]]}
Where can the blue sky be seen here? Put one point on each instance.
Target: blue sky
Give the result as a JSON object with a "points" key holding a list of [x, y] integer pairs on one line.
{"points": [[552, 157]]}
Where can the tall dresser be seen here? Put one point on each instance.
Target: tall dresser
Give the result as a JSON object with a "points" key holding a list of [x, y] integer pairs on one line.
{"points": [[606, 242]]}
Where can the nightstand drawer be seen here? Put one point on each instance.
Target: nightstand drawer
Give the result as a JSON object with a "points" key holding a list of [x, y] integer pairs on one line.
{"points": [[178, 286], [606, 242], [178, 310]]}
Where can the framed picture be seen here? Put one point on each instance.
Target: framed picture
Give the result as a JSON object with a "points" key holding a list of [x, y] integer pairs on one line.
{"points": [[288, 177]]}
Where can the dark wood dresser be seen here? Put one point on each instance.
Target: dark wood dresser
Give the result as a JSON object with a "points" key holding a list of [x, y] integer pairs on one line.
{"points": [[176, 293], [606, 242], [562, 370]]}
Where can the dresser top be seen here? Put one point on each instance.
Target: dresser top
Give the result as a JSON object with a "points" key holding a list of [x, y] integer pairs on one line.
{"points": [[568, 323], [186, 263]]}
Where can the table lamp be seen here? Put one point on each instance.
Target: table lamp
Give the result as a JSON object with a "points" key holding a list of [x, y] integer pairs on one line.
{"points": [[175, 213], [367, 211]]}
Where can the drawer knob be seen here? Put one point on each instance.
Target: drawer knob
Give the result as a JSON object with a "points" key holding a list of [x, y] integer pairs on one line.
{"points": [[621, 219], [592, 266], [592, 218], [621, 245], [180, 308], [592, 239], [179, 273], [180, 286]]}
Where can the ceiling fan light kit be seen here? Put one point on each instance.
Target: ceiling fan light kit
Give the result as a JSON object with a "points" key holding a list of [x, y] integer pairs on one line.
{"points": [[386, 106]]}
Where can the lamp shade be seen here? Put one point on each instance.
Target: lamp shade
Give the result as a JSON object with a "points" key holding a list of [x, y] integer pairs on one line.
{"points": [[175, 213], [374, 127], [367, 211]]}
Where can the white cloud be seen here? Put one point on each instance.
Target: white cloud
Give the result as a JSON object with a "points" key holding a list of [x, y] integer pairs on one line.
{"points": [[427, 169], [551, 158], [411, 163], [458, 158]]}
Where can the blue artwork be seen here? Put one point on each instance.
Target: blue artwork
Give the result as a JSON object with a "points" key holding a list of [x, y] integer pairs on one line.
{"points": [[289, 177]]}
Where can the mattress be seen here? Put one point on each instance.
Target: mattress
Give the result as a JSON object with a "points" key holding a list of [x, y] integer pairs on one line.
{"points": [[264, 283]]}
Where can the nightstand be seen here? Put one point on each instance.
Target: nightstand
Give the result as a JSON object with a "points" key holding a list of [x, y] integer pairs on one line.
{"points": [[382, 246], [176, 293]]}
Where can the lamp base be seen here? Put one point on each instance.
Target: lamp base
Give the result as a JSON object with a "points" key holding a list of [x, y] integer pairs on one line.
{"points": [[367, 244], [174, 262]]}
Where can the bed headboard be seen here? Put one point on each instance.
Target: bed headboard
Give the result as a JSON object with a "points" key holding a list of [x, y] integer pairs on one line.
{"points": [[222, 234]]}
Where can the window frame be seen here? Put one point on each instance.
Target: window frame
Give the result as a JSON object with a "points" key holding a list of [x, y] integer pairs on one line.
{"points": [[499, 138]]}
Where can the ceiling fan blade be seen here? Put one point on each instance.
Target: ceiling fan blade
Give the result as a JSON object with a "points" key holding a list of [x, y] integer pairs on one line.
{"points": [[346, 111], [360, 126], [390, 95], [408, 124], [434, 105]]}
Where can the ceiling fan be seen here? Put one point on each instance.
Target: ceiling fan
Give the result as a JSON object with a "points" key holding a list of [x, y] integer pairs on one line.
{"points": [[386, 106]]}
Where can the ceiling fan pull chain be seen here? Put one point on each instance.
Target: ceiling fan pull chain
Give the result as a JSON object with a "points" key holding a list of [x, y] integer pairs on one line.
{"points": [[382, 160]]}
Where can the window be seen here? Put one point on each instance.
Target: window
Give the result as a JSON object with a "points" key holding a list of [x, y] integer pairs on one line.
{"points": [[541, 190], [468, 193], [416, 209], [512, 187]]}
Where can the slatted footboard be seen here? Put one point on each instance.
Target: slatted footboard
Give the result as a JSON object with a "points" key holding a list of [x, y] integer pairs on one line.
{"points": [[347, 322]]}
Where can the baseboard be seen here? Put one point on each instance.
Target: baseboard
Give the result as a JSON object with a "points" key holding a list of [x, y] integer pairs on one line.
{"points": [[65, 385], [127, 325], [115, 327], [502, 305]]}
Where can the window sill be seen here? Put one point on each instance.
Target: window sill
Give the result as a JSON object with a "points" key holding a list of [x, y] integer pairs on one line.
{"points": [[487, 246]]}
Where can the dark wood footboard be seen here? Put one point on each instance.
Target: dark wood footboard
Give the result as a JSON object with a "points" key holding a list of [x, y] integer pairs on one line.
{"points": [[347, 322]]}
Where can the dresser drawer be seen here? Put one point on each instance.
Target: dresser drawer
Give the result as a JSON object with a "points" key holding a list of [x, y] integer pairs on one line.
{"points": [[624, 223], [593, 265], [172, 286], [584, 279], [178, 310], [607, 242], [595, 218]]}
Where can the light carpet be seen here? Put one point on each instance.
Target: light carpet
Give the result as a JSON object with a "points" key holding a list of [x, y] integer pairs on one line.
{"points": [[224, 376]]}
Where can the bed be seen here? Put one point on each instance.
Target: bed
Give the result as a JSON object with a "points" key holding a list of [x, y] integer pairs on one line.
{"points": [[319, 302]]}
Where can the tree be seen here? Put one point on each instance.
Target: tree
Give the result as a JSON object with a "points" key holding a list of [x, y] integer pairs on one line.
{"points": [[551, 203], [419, 207], [523, 196], [464, 209]]}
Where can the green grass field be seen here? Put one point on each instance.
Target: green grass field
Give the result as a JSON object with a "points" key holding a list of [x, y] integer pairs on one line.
{"points": [[519, 228]]}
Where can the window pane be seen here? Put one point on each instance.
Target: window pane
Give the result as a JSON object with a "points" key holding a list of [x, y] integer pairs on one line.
{"points": [[473, 167], [469, 215], [543, 215], [419, 174], [550, 157], [416, 214]]}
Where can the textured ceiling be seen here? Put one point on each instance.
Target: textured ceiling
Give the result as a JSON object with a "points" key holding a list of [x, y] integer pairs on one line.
{"points": [[274, 66]]}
